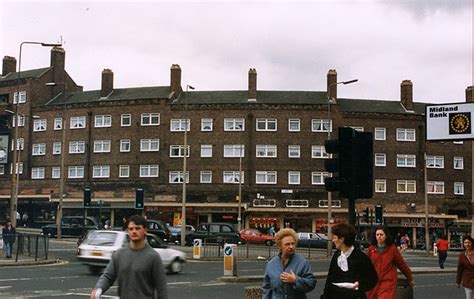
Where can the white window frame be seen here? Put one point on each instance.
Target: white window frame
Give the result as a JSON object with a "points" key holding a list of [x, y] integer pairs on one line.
{"points": [[404, 134], [380, 186], [206, 150], [458, 162], [40, 125], [234, 150], [207, 124], [20, 144], [318, 177], [124, 171], [22, 97], [205, 177], [406, 160], [266, 124], [176, 177], [77, 122], [2, 169], [321, 125], [102, 146], [234, 124], [380, 160], [103, 121], [406, 186], [58, 123], [294, 177], [177, 151], [21, 121], [180, 124], [75, 172], [149, 171], [149, 145], [435, 187], [19, 168], [266, 150], [434, 161], [458, 188], [232, 177], [266, 177], [324, 203], [319, 152], [56, 172], [101, 171], [38, 149], [57, 148], [37, 173], [150, 119], [294, 151], [126, 120], [380, 133], [77, 147], [294, 125], [125, 145]]}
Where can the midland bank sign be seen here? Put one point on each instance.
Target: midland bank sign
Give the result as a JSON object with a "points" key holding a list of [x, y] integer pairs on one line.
{"points": [[449, 122]]}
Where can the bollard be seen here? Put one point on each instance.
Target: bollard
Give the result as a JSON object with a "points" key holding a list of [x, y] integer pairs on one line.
{"points": [[254, 292], [404, 290], [197, 246], [435, 249], [230, 260]]}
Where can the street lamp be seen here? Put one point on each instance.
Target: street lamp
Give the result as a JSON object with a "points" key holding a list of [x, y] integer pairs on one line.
{"points": [[329, 248], [185, 152], [239, 218], [16, 155]]}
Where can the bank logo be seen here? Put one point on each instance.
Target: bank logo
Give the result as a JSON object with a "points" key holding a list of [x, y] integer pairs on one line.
{"points": [[460, 123]]}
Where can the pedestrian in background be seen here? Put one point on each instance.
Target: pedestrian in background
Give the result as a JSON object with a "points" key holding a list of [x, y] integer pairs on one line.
{"points": [[465, 272], [404, 242], [271, 231], [386, 259], [351, 273], [443, 246], [8, 235], [137, 267], [287, 275]]}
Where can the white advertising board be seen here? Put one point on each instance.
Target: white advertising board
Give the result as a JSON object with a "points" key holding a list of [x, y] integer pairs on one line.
{"points": [[449, 121]]}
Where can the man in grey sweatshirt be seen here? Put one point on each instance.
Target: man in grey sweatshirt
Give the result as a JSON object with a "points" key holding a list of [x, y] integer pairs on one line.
{"points": [[137, 268]]}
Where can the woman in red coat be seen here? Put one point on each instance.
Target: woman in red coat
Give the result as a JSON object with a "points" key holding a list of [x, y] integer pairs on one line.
{"points": [[465, 271], [386, 259]]}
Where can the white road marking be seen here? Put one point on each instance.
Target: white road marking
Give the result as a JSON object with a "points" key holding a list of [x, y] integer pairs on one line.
{"points": [[213, 284], [5, 287], [179, 282]]}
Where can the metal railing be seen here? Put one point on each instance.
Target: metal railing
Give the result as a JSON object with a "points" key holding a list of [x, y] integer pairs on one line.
{"points": [[26, 246]]}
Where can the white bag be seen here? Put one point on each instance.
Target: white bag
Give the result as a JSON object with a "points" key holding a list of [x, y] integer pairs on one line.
{"points": [[1, 243]]}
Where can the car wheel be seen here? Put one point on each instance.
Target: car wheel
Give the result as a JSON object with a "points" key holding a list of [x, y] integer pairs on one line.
{"points": [[176, 266], [269, 242]]}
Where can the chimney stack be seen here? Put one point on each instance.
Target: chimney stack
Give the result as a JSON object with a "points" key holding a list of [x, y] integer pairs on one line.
{"points": [[9, 65], [332, 85], [175, 82], [406, 94], [107, 82], [58, 57], [470, 94], [252, 91]]}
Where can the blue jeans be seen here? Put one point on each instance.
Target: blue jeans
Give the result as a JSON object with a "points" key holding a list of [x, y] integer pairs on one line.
{"points": [[9, 248]]}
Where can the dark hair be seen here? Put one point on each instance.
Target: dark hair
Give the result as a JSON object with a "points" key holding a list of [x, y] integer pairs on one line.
{"points": [[388, 240], [346, 231], [467, 238], [137, 219]]}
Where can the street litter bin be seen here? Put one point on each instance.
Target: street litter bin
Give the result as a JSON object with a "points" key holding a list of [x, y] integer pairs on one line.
{"points": [[404, 289]]}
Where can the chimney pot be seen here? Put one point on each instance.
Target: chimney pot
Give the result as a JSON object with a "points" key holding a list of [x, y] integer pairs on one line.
{"points": [[470, 94], [332, 85], [107, 82], [175, 82], [9, 65], [252, 91], [406, 94]]}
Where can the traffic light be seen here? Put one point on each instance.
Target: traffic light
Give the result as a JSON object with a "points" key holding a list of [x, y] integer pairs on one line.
{"points": [[87, 197], [379, 214], [139, 199], [341, 162], [366, 215]]}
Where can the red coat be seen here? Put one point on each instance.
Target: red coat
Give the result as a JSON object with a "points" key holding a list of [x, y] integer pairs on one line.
{"points": [[465, 271], [386, 264], [442, 244]]}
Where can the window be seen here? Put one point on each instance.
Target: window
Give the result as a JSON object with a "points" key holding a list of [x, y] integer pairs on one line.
{"points": [[405, 134], [2, 169], [325, 203], [22, 97], [435, 187], [56, 148], [321, 125], [148, 171], [317, 178], [102, 146], [37, 173], [124, 171], [101, 171], [149, 145], [177, 151], [206, 177], [21, 120], [318, 151], [380, 134], [206, 124], [176, 177], [19, 168], [232, 177], [124, 145], [406, 186], [234, 150], [76, 172], [39, 149], [458, 163], [77, 122], [265, 177], [206, 150], [103, 121], [294, 125], [179, 125], [58, 123], [234, 124], [39, 125], [20, 144], [126, 120], [77, 147], [406, 160], [293, 177], [56, 172], [381, 160], [266, 124], [266, 151], [435, 161], [293, 151], [380, 186], [150, 119], [458, 188]]}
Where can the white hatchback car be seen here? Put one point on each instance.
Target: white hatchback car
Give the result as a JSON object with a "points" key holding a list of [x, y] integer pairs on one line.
{"points": [[97, 248]]}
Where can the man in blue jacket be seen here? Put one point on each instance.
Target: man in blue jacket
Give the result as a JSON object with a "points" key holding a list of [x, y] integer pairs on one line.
{"points": [[288, 275]]}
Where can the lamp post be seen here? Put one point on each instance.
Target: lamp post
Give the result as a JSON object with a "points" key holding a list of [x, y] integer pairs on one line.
{"points": [[185, 152], [239, 217], [329, 248], [16, 155]]}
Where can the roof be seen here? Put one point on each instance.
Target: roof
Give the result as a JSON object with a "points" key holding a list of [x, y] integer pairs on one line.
{"points": [[378, 106], [36, 73]]}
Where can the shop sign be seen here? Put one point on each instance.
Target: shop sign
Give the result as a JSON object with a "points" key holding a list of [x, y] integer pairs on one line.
{"points": [[420, 222]]}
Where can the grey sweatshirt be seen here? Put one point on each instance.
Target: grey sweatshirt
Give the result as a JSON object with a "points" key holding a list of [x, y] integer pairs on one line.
{"points": [[139, 273]]}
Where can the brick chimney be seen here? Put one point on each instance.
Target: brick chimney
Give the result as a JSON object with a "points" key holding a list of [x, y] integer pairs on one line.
{"points": [[406, 94], [58, 57], [107, 82], [9, 65], [470, 94], [175, 82], [331, 88], [252, 91]]}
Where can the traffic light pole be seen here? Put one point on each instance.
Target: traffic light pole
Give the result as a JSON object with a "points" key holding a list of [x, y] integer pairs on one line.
{"points": [[351, 211]]}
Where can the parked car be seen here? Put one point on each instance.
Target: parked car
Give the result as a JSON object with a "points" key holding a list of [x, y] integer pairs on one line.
{"points": [[97, 248], [312, 240], [159, 228], [175, 231], [215, 232], [71, 226], [254, 236]]}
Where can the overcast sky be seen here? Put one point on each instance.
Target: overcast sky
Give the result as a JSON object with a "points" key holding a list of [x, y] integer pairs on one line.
{"points": [[292, 44]]}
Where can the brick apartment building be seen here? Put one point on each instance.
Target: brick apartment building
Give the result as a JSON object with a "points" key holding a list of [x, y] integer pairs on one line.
{"points": [[119, 139]]}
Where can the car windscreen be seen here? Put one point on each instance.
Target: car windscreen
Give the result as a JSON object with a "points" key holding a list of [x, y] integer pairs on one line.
{"points": [[100, 238]]}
